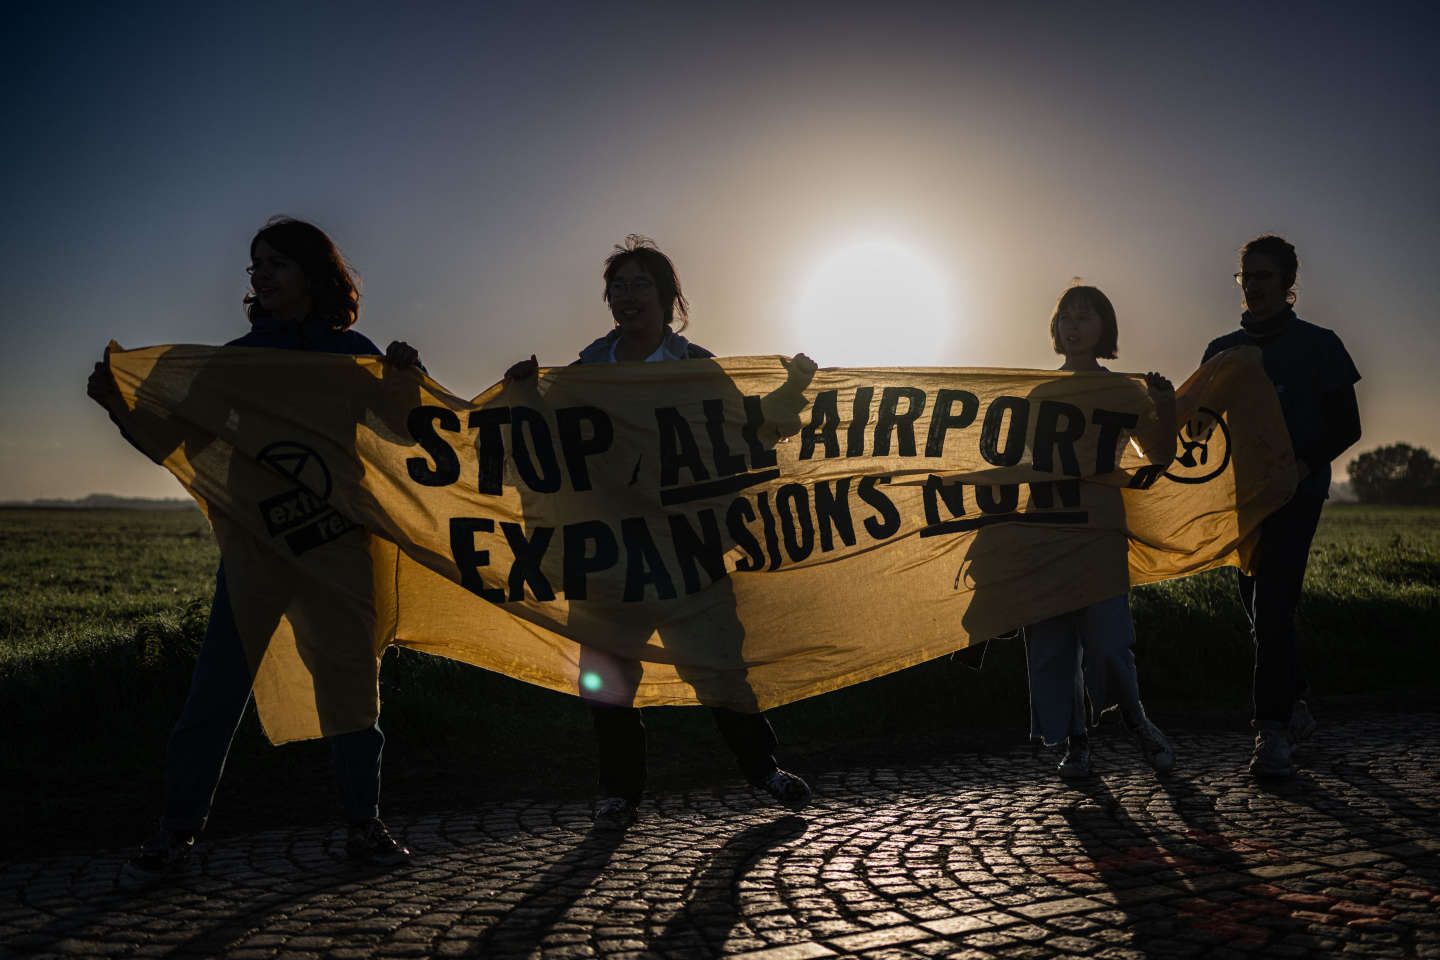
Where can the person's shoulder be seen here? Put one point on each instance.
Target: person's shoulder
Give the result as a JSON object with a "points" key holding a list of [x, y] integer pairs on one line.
{"points": [[1234, 338], [1315, 333], [693, 351], [358, 344]]}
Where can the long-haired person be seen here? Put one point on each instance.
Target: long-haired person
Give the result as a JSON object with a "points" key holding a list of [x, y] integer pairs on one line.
{"points": [[302, 296], [1090, 650], [1315, 380], [642, 290]]}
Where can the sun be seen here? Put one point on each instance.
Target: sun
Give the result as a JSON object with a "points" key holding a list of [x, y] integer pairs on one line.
{"points": [[873, 303]]}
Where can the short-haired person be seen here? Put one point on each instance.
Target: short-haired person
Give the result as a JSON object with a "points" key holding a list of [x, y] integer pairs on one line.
{"points": [[1315, 380], [1089, 651], [642, 290], [302, 297]]}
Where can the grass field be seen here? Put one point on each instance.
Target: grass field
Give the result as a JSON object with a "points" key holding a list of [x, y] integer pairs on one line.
{"points": [[101, 613]]}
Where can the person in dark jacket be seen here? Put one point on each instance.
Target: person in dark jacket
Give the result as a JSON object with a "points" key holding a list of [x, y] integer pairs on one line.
{"points": [[1315, 379], [643, 293], [302, 297]]}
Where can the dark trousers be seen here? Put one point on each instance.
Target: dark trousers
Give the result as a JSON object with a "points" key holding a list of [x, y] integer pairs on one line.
{"points": [[1270, 597], [620, 732], [200, 742]]}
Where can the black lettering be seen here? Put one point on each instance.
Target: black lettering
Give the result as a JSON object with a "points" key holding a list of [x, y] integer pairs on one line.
{"points": [[1146, 476], [887, 523], [706, 547], [726, 463], [643, 565], [468, 559], [737, 516], [942, 420], [526, 568], [792, 503], [576, 447], [998, 498], [677, 448], [1019, 410], [901, 424], [1050, 436], [859, 420], [489, 448], [421, 423], [824, 421], [1111, 422], [579, 562], [772, 542], [833, 510], [541, 473], [937, 490], [754, 420], [1043, 494]]}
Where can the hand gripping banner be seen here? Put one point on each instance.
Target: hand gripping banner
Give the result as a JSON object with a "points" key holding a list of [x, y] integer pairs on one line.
{"points": [[727, 532]]}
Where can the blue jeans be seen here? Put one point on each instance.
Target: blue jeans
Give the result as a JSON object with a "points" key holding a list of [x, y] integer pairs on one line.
{"points": [[1085, 650], [200, 742], [1270, 596]]}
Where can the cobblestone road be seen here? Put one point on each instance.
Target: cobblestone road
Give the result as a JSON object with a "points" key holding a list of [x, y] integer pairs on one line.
{"points": [[967, 856]]}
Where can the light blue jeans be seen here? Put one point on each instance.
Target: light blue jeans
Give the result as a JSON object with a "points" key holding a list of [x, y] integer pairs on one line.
{"points": [[1085, 650], [200, 742]]}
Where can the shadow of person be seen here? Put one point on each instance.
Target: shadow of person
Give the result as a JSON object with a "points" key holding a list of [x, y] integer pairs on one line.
{"points": [[711, 909], [302, 574], [657, 613], [522, 929]]}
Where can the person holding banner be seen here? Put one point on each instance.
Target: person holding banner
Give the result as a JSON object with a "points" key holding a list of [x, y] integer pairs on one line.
{"points": [[302, 297], [1315, 379], [1089, 651], [643, 292]]}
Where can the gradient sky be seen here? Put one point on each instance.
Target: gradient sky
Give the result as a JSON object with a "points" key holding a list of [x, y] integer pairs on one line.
{"points": [[477, 162]]}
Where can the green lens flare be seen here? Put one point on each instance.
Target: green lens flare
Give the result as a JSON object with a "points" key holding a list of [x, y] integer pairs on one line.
{"points": [[590, 681]]}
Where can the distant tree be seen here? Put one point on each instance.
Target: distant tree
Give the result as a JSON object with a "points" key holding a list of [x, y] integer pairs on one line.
{"points": [[1397, 474]]}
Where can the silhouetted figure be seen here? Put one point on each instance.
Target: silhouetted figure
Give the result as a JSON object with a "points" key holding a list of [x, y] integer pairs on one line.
{"points": [[302, 297], [1315, 379], [1090, 650], [644, 296]]}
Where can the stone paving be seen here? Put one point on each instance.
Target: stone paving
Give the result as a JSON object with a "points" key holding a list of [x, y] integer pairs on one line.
{"points": [[967, 856]]}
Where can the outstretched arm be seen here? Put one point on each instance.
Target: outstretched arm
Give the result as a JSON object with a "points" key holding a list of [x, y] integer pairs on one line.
{"points": [[1158, 439]]}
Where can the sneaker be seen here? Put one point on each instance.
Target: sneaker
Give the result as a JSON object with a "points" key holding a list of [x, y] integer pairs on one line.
{"points": [[1075, 764], [1302, 722], [369, 841], [786, 789], [615, 813], [1272, 756], [166, 852], [1154, 745]]}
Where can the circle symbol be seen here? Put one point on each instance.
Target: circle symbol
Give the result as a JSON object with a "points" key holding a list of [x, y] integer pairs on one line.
{"points": [[1204, 448], [299, 463]]}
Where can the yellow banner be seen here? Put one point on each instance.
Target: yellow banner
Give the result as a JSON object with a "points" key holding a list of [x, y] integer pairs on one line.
{"points": [[725, 532]]}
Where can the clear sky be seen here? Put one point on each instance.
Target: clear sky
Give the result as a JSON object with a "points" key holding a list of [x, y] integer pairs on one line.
{"points": [[909, 184]]}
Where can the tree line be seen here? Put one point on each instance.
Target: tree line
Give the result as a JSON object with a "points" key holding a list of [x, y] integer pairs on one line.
{"points": [[1397, 474]]}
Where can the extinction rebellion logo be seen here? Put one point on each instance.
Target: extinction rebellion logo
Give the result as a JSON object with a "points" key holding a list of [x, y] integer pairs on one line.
{"points": [[1204, 448], [301, 516]]}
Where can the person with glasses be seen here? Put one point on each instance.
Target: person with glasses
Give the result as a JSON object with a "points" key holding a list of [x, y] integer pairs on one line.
{"points": [[302, 297], [1315, 379], [643, 292], [1088, 653]]}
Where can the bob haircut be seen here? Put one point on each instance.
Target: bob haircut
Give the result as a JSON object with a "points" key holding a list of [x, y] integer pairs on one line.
{"points": [[1279, 250], [333, 291], [1080, 295], [642, 250]]}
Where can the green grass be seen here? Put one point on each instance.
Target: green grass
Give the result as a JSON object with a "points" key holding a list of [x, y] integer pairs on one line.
{"points": [[101, 613]]}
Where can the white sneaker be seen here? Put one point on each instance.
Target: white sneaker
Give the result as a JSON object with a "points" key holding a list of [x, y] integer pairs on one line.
{"points": [[1272, 756], [1154, 745], [1075, 765], [1302, 722]]}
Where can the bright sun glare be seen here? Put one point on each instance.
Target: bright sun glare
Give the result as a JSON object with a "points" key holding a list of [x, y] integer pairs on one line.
{"points": [[875, 303]]}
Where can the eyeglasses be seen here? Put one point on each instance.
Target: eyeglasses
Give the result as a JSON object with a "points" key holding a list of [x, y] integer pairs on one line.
{"points": [[639, 287], [1243, 277]]}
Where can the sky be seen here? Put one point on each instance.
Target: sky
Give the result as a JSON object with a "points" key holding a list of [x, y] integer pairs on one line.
{"points": [[908, 184]]}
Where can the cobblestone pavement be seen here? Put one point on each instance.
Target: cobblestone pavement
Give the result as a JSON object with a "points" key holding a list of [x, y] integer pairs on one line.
{"points": [[968, 856]]}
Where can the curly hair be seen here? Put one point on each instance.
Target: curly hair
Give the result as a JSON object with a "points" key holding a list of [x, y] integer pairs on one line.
{"points": [[1279, 250], [334, 289], [1079, 295], [643, 251]]}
